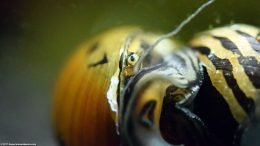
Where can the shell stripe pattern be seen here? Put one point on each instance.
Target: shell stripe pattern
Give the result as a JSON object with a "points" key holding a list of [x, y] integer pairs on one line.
{"points": [[231, 57]]}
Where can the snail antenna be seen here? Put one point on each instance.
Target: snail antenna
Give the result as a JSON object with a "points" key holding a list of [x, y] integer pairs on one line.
{"points": [[174, 32]]}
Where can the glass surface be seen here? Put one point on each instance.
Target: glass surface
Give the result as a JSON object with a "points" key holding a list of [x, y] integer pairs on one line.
{"points": [[36, 37]]}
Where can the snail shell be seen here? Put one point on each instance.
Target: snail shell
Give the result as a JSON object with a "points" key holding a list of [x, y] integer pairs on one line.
{"points": [[81, 111], [228, 97]]}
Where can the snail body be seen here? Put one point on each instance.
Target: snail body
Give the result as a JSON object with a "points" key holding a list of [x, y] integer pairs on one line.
{"points": [[104, 98]]}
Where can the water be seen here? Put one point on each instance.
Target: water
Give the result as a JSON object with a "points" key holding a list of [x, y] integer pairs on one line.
{"points": [[37, 36]]}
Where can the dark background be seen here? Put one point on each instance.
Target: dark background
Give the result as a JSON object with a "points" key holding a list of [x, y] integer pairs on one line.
{"points": [[36, 37]]}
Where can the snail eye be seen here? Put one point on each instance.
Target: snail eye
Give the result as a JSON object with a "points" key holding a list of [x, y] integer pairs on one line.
{"points": [[132, 59]]}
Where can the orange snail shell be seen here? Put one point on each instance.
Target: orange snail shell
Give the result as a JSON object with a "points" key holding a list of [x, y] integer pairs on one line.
{"points": [[82, 115]]}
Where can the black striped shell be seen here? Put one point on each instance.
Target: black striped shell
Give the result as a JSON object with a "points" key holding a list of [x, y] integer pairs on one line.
{"points": [[231, 59]]}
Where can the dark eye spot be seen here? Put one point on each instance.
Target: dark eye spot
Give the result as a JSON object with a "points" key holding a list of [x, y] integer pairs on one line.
{"points": [[132, 58]]}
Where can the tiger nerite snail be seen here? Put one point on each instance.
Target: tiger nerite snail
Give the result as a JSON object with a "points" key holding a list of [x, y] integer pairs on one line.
{"points": [[121, 89], [100, 89]]}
